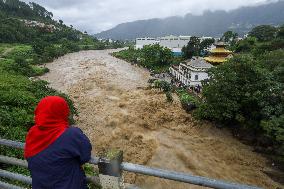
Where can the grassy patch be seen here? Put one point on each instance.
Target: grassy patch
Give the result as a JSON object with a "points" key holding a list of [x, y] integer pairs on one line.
{"points": [[39, 70], [22, 51], [188, 101]]}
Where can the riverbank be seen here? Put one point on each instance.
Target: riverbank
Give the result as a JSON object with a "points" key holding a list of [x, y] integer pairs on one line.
{"points": [[116, 110]]}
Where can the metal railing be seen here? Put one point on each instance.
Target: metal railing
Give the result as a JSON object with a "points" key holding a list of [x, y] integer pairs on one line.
{"points": [[130, 167]]}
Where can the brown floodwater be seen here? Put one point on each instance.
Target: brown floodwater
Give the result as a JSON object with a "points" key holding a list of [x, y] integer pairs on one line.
{"points": [[117, 111]]}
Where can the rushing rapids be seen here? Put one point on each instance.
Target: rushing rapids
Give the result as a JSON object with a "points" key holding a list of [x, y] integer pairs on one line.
{"points": [[117, 111]]}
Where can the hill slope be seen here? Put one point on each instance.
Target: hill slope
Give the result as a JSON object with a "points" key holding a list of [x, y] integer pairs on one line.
{"points": [[240, 20]]}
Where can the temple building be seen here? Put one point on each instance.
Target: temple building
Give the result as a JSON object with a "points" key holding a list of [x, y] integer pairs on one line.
{"points": [[218, 55], [192, 72]]}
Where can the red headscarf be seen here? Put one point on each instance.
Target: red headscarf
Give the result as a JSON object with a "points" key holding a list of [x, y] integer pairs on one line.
{"points": [[51, 120]]}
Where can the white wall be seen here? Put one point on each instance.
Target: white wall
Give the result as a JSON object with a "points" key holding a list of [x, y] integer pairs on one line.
{"points": [[174, 42], [201, 76], [141, 42], [189, 78]]}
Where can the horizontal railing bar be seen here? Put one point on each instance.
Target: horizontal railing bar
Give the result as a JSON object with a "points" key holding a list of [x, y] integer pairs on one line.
{"points": [[13, 161], [15, 176], [166, 174], [4, 185], [177, 176], [12, 143], [23, 163]]}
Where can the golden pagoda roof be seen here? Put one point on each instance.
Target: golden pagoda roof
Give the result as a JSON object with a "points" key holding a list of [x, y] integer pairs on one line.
{"points": [[221, 50], [214, 59]]}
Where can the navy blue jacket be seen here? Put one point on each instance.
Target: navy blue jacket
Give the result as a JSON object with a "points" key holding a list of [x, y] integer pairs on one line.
{"points": [[59, 165]]}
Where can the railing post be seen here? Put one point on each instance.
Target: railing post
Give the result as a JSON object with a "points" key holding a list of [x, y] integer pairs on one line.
{"points": [[110, 172]]}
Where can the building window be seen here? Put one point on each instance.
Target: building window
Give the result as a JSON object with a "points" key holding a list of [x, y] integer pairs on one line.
{"points": [[196, 77]]}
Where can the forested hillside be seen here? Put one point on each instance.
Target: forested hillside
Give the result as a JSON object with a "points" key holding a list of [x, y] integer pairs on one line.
{"points": [[214, 24], [20, 9], [29, 38]]}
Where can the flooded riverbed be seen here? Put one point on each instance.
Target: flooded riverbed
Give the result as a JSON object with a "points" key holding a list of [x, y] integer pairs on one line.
{"points": [[116, 110]]}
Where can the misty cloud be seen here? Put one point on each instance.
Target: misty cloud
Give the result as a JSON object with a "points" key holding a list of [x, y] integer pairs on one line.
{"points": [[98, 15]]}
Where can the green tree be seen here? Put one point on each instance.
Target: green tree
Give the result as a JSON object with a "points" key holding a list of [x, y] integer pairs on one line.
{"points": [[263, 32], [245, 45], [155, 56], [39, 45], [70, 46], [192, 48], [241, 92], [229, 36], [274, 129], [204, 45], [280, 33], [274, 62]]}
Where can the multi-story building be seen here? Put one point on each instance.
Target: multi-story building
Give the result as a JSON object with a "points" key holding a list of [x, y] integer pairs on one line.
{"points": [[194, 71], [141, 42], [175, 43], [191, 72]]}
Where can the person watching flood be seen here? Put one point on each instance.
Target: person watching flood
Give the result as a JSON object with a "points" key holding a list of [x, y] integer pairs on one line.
{"points": [[55, 151]]}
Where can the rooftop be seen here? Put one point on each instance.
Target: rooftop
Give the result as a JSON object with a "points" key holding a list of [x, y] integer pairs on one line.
{"points": [[215, 60], [220, 50], [198, 63]]}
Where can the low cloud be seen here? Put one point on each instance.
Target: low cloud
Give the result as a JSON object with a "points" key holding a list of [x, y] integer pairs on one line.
{"points": [[95, 16]]}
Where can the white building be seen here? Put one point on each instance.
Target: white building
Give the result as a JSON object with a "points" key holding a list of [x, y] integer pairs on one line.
{"points": [[175, 43], [141, 42], [172, 41], [191, 73]]}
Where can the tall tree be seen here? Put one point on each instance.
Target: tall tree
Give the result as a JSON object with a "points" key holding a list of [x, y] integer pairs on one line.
{"points": [[192, 48], [205, 44], [263, 32], [240, 91], [156, 55], [229, 36]]}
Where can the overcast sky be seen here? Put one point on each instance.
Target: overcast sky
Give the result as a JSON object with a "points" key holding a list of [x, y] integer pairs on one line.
{"points": [[95, 16]]}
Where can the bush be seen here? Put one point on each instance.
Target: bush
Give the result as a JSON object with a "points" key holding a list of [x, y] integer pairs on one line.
{"points": [[188, 101], [19, 66], [39, 71], [18, 99], [274, 129], [20, 51], [130, 55], [69, 46], [153, 57], [163, 85]]}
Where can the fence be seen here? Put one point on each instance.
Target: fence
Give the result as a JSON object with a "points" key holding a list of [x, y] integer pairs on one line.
{"points": [[123, 166]]}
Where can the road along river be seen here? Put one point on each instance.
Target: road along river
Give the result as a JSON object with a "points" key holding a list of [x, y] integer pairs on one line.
{"points": [[117, 111]]}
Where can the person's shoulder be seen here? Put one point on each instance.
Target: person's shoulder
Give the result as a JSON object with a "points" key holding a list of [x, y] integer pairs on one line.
{"points": [[72, 130]]}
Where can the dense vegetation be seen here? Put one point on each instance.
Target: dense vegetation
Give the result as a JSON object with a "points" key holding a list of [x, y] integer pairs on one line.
{"points": [[247, 91], [197, 47], [30, 37], [153, 57]]}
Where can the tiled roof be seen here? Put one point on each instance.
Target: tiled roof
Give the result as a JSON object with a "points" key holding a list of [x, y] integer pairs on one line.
{"points": [[198, 63]]}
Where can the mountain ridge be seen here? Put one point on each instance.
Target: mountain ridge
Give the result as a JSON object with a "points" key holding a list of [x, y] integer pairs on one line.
{"points": [[240, 20]]}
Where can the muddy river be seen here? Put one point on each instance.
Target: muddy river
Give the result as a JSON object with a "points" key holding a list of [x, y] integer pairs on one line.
{"points": [[117, 111]]}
